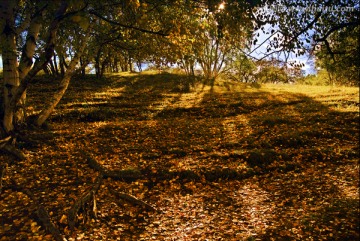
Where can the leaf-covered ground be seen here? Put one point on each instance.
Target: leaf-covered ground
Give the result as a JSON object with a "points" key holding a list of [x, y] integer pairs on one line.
{"points": [[232, 162]]}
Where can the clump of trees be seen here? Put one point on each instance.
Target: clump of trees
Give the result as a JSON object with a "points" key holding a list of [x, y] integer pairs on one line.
{"points": [[64, 37]]}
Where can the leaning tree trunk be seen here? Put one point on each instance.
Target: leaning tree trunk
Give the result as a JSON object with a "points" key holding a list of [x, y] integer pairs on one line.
{"points": [[64, 83], [26, 60]]}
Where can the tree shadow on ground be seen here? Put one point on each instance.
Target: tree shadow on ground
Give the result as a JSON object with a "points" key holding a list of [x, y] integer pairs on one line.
{"points": [[137, 96], [293, 148], [264, 133]]}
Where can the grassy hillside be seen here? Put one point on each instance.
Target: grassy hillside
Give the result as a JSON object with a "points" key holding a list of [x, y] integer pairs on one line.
{"points": [[232, 162]]}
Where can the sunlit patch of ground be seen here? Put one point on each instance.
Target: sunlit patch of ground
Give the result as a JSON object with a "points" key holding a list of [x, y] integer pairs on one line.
{"points": [[236, 211]]}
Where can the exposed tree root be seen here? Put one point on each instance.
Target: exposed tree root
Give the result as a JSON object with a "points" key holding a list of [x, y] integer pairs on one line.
{"points": [[41, 213], [133, 200], [10, 147], [125, 175], [83, 202], [4, 141], [14, 151], [48, 224], [87, 202]]}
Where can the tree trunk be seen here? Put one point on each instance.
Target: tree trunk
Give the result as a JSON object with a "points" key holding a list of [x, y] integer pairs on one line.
{"points": [[130, 64], [26, 60], [45, 57], [9, 56], [82, 63], [14, 89], [116, 65], [52, 68], [64, 83], [103, 67], [47, 70], [123, 63], [62, 65], [97, 64], [55, 65]]}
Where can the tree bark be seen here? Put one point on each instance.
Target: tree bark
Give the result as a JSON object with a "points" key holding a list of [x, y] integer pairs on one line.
{"points": [[28, 51], [103, 67], [55, 65], [51, 67], [9, 56]]}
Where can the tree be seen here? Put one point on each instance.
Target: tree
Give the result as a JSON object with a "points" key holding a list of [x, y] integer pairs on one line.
{"points": [[271, 71], [242, 68], [343, 62], [64, 83], [211, 35], [28, 20], [298, 25], [17, 76], [207, 33]]}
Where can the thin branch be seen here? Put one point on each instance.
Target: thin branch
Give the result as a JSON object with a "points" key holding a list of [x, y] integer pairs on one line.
{"points": [[264, 41], [70, 14], [335, 28], [132, 200], [161, 33]]}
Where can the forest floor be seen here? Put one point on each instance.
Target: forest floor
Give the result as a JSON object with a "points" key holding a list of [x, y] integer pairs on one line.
{"points": [[228, 162]]}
